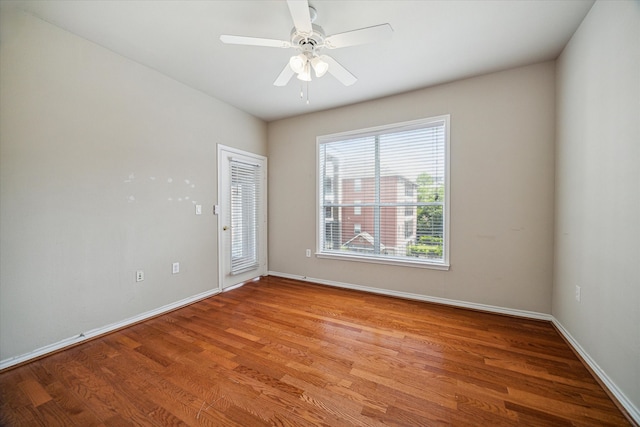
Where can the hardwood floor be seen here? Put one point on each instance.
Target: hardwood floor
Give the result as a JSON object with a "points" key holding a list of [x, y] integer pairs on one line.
{"points": [[286, 353]]}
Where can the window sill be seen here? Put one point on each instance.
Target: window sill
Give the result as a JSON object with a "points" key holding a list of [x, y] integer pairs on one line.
{"points": [[387, 261]]}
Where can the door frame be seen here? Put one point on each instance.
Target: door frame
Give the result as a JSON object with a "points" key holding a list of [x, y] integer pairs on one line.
{"points": [[222, 154]]}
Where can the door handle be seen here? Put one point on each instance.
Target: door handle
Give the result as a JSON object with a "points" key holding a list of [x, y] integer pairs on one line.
{"points": [[225, 228]]}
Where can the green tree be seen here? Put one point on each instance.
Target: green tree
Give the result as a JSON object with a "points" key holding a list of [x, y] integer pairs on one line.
{"points": [[430, 225]]}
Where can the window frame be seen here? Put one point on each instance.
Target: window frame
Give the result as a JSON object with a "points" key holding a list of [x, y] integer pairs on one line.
{"points": [[394, 127]]}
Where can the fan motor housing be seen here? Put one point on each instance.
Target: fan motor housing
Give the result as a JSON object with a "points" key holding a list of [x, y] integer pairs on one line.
{"points": [[304, 41]]}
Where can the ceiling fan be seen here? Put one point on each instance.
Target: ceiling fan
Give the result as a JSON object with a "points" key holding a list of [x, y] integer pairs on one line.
{"points": [[309, 40]]}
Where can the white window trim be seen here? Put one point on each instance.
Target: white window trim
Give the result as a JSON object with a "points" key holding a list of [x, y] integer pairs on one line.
{"points": [[443, 265]]}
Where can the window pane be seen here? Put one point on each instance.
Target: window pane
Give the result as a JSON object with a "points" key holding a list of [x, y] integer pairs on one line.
{"points": [[430, 233], [332, 232], [383, 194], [245, 205]]}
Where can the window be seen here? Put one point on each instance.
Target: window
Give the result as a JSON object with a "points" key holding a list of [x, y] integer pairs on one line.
{"points": [[408, 229], [408, 188], [400, 176], [328, 214], [328, 185]]}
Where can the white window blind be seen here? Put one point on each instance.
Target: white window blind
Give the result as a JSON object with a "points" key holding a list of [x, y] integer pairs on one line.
{"points": [[384, 193], [245, 208]]}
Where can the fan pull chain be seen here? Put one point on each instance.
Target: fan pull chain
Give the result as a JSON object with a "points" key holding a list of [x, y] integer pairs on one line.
{"points": [[302, 91]]}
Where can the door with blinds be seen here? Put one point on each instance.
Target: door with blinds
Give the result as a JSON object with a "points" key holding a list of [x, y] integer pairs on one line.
{"points": [[242, 216]]}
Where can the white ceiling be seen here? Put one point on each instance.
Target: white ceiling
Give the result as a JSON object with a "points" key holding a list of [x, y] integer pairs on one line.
{"points": [[433, 42]]}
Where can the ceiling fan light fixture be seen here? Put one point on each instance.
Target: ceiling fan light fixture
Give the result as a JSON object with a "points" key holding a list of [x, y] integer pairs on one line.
{"points": [[319, 66], [298, 63], [309, 39], [305, 74]]}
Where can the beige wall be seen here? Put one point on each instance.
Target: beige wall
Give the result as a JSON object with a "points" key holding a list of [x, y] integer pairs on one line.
{"points": [[502, 167], [598, 191], [88, 144]]}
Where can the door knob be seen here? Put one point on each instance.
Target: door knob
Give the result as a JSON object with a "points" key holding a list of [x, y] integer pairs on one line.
{"points": [[225, 228]]}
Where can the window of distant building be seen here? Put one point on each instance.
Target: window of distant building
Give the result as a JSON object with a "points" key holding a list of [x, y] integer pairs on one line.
{"points": [[357, 185], [328, 214], [400, 176]]}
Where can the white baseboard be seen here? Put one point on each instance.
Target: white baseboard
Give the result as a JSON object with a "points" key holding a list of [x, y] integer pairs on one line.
{"points": [[631, 409], [42, 351], [418, 297]]}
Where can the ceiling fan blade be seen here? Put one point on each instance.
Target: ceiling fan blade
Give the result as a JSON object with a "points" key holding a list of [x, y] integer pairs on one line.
{"points": [[253, 41], [299, 10], [361, 36], [284, 76], [338, 71]]}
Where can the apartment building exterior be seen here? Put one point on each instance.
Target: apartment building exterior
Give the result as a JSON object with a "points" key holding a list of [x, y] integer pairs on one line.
{"points": [[396, 225]]}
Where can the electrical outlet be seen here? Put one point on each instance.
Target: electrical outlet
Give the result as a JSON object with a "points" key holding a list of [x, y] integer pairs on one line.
{"points": [[139, 276], [198, 209], [578, 293], [308, 253], [175, 269]]}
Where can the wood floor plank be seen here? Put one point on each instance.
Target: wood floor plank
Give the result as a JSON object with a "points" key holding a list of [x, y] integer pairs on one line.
{"points": [[279, 352], [35, 392], [75, 408]]}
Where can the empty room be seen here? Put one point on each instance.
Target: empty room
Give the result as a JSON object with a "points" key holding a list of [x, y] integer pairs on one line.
{"points": [[320, 213]]}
